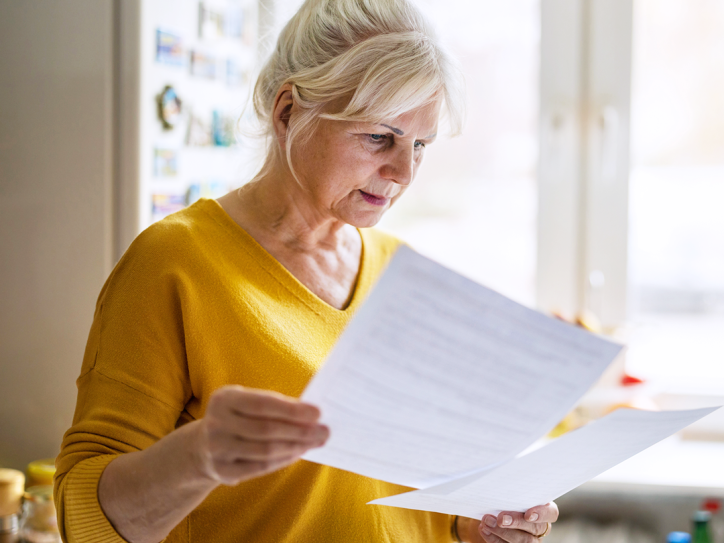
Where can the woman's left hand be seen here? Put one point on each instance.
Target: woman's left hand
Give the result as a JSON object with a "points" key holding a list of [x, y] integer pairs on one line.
{"points": [[509, 527]]}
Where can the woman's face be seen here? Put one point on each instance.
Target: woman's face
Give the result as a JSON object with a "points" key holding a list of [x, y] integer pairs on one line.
{"points": [[354, 172]]}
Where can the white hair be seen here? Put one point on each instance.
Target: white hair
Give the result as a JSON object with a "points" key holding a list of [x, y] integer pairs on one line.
{"points": [[379, 57]]}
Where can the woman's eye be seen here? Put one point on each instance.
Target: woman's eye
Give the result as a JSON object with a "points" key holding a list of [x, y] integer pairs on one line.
{"points": [[419, 145], [376, 138]]}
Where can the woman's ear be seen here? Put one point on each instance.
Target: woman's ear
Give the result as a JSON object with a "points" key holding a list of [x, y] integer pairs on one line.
{"points": [[283, 105]]}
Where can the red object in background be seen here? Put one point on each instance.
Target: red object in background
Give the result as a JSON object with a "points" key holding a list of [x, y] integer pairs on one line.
{"points": [[628, 380], [712, 505]]}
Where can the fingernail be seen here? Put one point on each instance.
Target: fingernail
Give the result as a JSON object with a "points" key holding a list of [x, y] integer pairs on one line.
{"points": [[507, 520], [533, 517], [490, 521], [486, 531]]}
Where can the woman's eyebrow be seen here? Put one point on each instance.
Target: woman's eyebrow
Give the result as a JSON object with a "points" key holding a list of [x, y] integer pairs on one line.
{"points": [[401, 133], [395, 130]]}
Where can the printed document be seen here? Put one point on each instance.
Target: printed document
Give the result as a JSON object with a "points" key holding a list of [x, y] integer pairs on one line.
{"points": [[551, 471], [439, 380]]}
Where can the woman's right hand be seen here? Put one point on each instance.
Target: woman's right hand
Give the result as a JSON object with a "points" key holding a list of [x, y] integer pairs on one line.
{"points": [[247, 433]]}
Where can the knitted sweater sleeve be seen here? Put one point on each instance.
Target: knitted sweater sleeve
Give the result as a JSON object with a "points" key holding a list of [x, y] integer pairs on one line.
{"points": [[133, 383]]}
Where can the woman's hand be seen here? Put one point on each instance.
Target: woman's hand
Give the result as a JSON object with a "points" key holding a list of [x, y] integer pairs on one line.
{"points": [[509, 527], [247, 433]]}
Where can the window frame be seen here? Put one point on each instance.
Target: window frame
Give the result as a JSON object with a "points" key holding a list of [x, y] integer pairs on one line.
{"points": [[585, 96]]}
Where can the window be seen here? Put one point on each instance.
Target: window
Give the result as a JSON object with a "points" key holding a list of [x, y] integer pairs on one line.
{"points": [[676, 239], [473, 204]]}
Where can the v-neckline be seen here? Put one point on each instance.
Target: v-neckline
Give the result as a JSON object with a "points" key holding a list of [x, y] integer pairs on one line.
{"points": [[283, 275]]}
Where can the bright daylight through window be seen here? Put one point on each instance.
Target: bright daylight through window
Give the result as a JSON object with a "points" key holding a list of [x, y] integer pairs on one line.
{"points": [[676, 240]]}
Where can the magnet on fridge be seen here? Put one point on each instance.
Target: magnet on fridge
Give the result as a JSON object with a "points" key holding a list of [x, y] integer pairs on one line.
{"points": [[222, 129], [169, 48], [169, 107], [165, 162], [203, 65], [211, 22], [199, 132]]}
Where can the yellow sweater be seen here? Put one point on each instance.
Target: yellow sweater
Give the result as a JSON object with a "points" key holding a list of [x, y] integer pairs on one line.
{"points": [[193, 305]]}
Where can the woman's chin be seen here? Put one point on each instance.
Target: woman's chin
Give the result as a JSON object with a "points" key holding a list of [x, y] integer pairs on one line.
{"points": [[366, 219]]}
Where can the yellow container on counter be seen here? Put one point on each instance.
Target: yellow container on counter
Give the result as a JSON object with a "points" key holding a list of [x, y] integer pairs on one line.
{"points": [[12, 485], [40, 472]]}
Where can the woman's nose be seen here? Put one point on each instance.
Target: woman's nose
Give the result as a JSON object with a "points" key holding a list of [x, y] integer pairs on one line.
{"points": [[400, 166]]}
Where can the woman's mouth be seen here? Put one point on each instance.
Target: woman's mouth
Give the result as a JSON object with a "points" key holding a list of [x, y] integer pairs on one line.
{"points": [[374, 199]]}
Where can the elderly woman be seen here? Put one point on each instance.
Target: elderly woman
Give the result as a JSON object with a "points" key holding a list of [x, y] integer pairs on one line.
{"points": [[215, 319]]}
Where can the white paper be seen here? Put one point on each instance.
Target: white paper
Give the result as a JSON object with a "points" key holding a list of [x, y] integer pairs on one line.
{"points": [[438, 377], [551, 471]]}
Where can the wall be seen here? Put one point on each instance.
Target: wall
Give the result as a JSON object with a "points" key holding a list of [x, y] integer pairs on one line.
{"points": [[56, 164]]}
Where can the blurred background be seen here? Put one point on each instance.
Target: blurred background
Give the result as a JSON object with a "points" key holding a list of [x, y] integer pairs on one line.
{"points": [[588, 183]]}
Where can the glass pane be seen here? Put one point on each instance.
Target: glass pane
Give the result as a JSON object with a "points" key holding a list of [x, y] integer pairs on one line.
{"points": [[677, 191], [473, 204]]}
